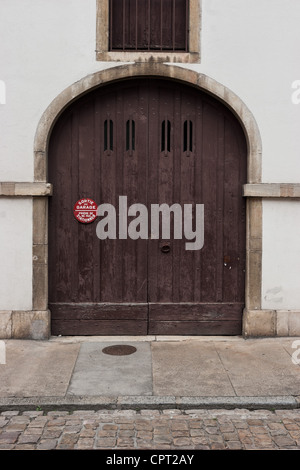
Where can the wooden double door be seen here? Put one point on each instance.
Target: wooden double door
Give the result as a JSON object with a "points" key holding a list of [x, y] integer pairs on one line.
{"points": [[156, 142]]}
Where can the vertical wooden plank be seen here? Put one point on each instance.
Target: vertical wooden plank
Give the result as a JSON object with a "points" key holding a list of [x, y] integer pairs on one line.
{"points": [[130, 25], [239, 150], [220, 210], [209, 171], [231, 213], [124, 18], [155, 25], [180, 25], [117, 26], [143, 28], [60, 212], [167, 24], [165, 192], [177, 185], [98, 142], [135, 189], [149, 24], [118, 247], [187, 25], [199, 157], [142, 151], [136, 24], [109, 267], [74, 181], [187, 195], [173, 29], [86, 181], [242, 152], [129, 189], [154, 130]]}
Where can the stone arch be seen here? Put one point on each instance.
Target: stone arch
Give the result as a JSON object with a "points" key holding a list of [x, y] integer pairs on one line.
{"points": [[196, 79], [169, 72]]}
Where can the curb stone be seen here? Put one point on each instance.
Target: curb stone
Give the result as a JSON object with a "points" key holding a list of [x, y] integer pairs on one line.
{"points": [[154, 402]]}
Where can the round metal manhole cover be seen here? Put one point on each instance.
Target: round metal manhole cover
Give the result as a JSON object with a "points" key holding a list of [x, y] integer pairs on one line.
{"points": [[119, 350]]}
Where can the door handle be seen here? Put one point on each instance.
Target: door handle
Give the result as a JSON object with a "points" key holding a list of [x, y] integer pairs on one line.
{"points": [[165, 249]]}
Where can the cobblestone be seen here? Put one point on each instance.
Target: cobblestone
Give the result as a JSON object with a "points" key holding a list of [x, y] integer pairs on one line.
{"points": [[217, 429]]}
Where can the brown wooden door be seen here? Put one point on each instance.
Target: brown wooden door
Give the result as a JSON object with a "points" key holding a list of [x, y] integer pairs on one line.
{"points": [[155, 142]]}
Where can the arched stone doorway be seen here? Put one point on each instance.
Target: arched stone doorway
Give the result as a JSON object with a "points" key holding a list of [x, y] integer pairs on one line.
{"points": [[193, 79]]}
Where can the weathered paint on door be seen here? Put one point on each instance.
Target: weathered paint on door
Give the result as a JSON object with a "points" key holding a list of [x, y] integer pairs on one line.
{"points": [[154, 141]]}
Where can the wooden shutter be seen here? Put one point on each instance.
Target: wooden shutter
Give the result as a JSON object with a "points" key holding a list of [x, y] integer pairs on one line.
{"points": [[155, 25]]}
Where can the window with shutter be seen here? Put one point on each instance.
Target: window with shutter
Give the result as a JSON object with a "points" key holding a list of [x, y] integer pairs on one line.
{"points": [[148, 30]]}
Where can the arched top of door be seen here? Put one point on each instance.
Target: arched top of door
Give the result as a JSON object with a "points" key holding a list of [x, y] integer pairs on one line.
{"points": [[158, 70]]}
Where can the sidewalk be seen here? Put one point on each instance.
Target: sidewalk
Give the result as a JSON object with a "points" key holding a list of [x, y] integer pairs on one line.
{"points": [[71, 373]]}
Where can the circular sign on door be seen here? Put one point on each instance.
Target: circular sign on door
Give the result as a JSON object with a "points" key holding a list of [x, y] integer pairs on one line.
{"points": [[85, 210]]}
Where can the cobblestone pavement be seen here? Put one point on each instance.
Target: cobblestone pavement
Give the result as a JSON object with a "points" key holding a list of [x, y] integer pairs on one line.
{"points": [[150, 429]]}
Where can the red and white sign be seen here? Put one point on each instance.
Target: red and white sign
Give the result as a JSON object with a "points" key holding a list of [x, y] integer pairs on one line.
{"points": [[85, 210]]}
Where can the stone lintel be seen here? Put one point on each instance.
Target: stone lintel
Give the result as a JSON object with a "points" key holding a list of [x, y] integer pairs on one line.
{"points": [[272, 190], [15, 189]]}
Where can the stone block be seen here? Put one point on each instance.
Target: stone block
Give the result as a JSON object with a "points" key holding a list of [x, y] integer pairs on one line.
{"points": [[39, 254], [40, 286], [31, 325], [40, 166], [288, 322], [8, 189], [282, 323], [5, 324], [40, 219], [33, 189], [294, 323], [257, 323]]}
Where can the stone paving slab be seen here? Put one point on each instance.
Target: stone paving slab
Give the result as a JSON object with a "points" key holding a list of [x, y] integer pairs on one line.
{"points": [[37, 368], [260, 368], [111, 430], [97, 373], [184, 369], [189, 369]]}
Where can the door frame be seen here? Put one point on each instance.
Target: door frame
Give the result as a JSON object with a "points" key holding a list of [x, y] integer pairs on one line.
{"points": [[253, 279]]}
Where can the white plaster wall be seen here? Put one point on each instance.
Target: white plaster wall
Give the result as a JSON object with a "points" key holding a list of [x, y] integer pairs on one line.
{"points": [[253, 47], [15, 254], [45, 46], [281, 255], [250, 46]]}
